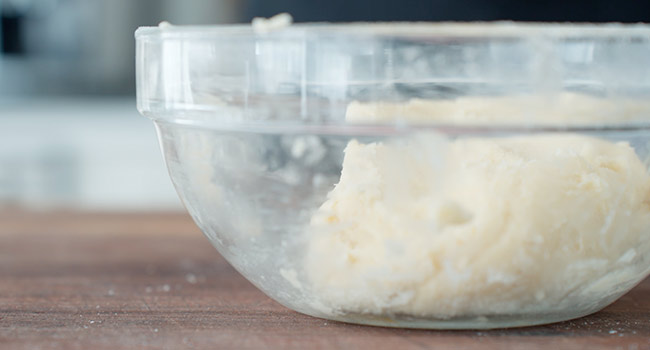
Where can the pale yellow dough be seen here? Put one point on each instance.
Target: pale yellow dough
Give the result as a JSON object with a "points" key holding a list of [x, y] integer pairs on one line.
{"points": [[477, 226], [558, 109]]}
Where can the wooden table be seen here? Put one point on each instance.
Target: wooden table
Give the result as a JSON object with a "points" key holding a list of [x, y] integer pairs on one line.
{"points": [[109, 281]]}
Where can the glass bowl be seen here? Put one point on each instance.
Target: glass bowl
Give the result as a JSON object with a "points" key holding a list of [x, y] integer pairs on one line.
{"points": [[449, 175]]}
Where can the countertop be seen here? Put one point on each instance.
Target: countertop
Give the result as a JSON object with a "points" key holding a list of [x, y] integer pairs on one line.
{"points": [[152, 281]]}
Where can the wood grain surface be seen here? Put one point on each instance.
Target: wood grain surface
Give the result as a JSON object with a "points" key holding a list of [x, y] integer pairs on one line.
{"points": [[152, 281]]}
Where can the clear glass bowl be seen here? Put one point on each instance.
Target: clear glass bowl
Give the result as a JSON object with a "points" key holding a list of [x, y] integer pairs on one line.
{"points": [[413, 175]]}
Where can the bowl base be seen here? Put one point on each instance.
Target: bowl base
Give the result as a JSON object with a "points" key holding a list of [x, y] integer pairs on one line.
{"points": [[458, 323]]}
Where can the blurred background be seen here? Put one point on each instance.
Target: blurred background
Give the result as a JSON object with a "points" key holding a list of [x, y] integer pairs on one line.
{"points": [[70, 137]]}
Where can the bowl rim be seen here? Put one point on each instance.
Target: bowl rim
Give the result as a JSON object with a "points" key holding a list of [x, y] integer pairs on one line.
{"points": [[400, 129], [433, 31], [494, 29]]}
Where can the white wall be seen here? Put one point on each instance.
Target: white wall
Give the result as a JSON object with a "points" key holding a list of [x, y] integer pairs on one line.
{"points": [[96, 154]]}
